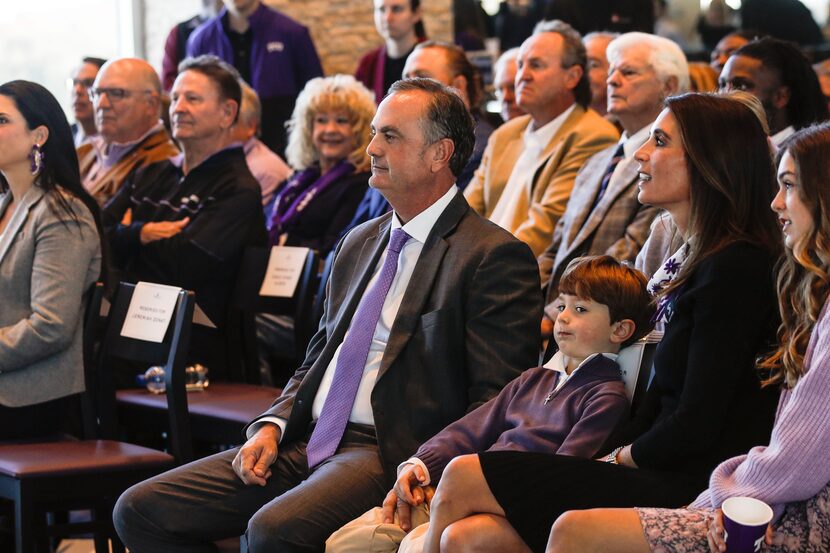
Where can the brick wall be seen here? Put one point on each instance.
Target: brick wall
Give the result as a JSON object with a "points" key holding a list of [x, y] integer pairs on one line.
{"points": [[342, 29]]}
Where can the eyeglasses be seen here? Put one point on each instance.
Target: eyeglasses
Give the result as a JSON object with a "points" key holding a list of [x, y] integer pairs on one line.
{"points": [[114, 94], [83, 83]]}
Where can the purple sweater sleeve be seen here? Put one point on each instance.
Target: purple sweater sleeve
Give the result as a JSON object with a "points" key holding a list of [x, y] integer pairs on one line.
{"points": [[475, 431], [794, 466], [603, 412]]}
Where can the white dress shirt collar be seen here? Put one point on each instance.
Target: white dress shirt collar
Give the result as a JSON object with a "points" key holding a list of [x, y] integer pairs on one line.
{"points": [[557, 364], [538, 139], [632, 143], [421, 225]]}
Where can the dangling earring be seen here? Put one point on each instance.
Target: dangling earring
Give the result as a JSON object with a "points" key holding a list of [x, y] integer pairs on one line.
{"points": [[36, 159]]}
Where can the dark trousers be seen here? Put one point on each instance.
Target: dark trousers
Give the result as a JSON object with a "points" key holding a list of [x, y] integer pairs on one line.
{"points": [[190, 507]]}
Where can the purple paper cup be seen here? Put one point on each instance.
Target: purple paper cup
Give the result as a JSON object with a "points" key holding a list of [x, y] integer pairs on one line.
{"points": [[745, 521]]}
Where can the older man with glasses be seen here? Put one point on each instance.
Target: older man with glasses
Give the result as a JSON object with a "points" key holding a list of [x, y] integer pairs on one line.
{"points": [[126, 98]]}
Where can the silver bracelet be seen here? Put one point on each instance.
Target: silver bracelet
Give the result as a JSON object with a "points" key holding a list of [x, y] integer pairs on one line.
{"points": [[612, 457]]}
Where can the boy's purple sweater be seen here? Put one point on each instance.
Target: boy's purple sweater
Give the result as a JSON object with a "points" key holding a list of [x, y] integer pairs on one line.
{"points": [[795, 465], [576, 421]]}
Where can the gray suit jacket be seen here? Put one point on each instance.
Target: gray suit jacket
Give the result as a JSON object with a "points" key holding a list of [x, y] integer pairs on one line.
{"points": [[47, 263], [468, 324], [618, 226]]}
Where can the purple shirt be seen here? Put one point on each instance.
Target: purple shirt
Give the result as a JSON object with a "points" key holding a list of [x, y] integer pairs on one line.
{"points": [[283, 57]]}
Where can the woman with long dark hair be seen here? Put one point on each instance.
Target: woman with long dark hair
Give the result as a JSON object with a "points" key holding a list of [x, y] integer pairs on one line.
{"points": [[708, 164], [50, 255], [792, 472]]}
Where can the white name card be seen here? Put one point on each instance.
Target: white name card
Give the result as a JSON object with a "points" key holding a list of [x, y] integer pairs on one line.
{"points": [[285, 265], [150, 312]]}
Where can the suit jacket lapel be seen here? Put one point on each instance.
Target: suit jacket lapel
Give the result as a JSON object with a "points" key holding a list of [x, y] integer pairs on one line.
{"points": [[586, 192], [421, 282], [567, 125], [21, 213], [619, 183], [504, 161], [363, 267]]}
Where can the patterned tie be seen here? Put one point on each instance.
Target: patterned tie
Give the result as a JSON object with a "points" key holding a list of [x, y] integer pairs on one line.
{"points": [[352, 360], [619, 155]]}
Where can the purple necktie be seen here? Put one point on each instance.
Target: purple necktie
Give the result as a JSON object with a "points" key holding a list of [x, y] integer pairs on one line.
{"points": [[352, 360]]}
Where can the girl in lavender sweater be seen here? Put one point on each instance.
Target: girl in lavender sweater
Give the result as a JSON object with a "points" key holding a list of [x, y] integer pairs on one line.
{"points": [[792, 473]]}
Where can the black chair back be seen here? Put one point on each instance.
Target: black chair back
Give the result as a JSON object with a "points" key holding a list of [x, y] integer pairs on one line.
{"points": [[246, 302], [170, 353], [90, 406]]}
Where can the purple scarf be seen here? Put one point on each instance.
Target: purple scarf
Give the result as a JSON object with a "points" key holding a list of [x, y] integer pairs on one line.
{"points": [[300, 191]]}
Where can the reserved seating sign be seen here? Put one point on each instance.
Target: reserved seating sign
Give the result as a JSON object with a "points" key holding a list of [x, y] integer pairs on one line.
{"points": [[285, 264], [150, 312]]}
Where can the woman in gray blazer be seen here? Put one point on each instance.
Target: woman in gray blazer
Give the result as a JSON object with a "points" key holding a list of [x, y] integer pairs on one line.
{"points": [[50, 255]]}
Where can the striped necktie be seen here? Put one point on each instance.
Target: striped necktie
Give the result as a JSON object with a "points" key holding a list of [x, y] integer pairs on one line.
{"points": [[619, 155]]}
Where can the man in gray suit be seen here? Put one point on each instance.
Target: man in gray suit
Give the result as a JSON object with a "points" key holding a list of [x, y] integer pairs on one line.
{"points": [[430, 310], [603, 215]]}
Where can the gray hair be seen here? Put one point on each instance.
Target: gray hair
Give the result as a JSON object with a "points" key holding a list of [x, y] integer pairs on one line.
{"points": [[665, 56], [446, 117], [573, 53], [505, 58], [600, 34]]}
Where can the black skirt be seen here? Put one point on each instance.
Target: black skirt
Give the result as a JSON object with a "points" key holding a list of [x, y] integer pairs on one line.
{"points": [[535, 488]]}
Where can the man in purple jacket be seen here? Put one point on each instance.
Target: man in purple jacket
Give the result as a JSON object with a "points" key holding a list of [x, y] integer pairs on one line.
{"points": [[271, 51], [570, 406]]}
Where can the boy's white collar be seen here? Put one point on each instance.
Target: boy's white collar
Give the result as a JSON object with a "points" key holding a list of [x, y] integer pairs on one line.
{"points": [[557, 362]]}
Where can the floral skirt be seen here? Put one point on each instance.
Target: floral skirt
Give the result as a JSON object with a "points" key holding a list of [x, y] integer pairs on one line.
{"points": [[803, 528]]}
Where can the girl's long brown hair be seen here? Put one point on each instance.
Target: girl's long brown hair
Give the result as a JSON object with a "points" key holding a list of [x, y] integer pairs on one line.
{"points": [[803, 279]]}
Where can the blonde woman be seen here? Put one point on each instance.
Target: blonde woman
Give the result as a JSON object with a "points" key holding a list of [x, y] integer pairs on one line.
{"points": [[328, 135]]}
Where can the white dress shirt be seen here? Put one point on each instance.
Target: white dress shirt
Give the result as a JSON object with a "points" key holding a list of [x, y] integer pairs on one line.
{"points": [[516, 195], [418, 228]]}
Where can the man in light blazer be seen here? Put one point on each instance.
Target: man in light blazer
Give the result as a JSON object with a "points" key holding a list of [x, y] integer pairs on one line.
{"points": [[457, 319], [528, 168], [603, 215]]}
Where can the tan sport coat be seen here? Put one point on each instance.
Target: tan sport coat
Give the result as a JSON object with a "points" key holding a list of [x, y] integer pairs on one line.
{"points": [[581, 135]]}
